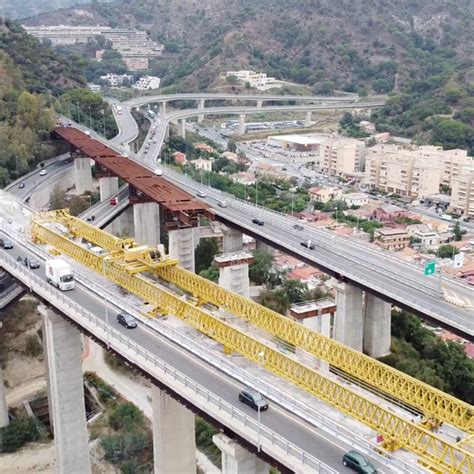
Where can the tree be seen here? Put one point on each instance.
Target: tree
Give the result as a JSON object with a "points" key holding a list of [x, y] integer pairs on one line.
{"points": [[295, 291], [259, 270], [211, 273], [204, 253], [127, 416], [56, 199], [458, 232], [447, 251], [231, 146]]}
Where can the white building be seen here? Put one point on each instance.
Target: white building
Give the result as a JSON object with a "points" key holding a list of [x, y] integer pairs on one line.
{"points": [[355, 199], [115, 80], [259, 80], [202, 164], [147, 83], [425, 235]]}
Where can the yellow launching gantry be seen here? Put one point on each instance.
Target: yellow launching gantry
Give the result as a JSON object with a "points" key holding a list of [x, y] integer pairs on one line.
{"points": [[439, 454]]}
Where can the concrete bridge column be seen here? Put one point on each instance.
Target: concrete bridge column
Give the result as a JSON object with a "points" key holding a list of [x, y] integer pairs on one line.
{"points": [[201, 104], [259, 103], [108, 186], [163, 108], [4, 420], [307, 119], [181, 246], [66, 393], [182, 128], [377, 331], [232, 241], [259, 245], [146, 222], [83, 174], [236, 459], [349, 320], [174, 444], [241, 124], [234, 271]]}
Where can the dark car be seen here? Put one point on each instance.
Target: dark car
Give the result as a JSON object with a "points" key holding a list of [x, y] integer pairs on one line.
{"points": [[258, 221], [31, 263], [127, 320], [21, 185], [90, 218], [358, 463], [253, 399], [6, 244], [298, 227], [308, 244]]}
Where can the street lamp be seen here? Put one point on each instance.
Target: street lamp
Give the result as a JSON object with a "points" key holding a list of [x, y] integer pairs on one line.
{"points": [[256, 191], [103, 115], [260, 360], [90, 118]]}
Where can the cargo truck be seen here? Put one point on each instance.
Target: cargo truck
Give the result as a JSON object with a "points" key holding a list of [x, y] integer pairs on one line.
{"points": [[59, 274]]}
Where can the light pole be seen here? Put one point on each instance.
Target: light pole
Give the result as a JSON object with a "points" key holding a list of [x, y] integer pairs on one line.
{"points": [[103, 115], [106, 308], [256, 191], [90, 118], [260, 360], [292, 202]]}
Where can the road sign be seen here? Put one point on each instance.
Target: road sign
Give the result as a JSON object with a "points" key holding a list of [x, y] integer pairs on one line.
{"points": [[430, 267]]}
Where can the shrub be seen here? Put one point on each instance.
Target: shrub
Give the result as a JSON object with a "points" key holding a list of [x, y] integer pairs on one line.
{"points": [[120, 448], [17, 433], [127, 416], [33, 347]]}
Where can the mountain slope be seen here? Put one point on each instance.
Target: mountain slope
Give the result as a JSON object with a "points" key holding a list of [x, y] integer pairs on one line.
{"points": [[16, 9]]}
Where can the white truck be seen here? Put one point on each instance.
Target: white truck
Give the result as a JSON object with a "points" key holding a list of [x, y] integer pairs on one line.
{"points": [[59, 274], [119, 110]]}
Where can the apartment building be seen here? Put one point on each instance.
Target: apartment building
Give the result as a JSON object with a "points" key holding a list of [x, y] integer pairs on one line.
{"points": [[391, 239], [462, 194], [342, 156], [147, 83], [115, 80], [394, 170]]}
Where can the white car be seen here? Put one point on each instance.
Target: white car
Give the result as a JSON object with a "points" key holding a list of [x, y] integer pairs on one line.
{"points": [[43, 172], [158, 172]]}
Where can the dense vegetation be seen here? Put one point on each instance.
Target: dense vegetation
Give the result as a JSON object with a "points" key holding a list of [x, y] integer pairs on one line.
{"points": [[25, 8], [19, 432], [418, 351]]}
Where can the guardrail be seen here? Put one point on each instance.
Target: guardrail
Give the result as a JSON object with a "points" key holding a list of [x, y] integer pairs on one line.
{"points": [[166, 373]]}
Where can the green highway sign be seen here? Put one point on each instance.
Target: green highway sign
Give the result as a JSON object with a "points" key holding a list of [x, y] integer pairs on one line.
{"points": [[430, 267]]}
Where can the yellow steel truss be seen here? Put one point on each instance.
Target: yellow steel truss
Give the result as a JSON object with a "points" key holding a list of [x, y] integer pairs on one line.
{"points": [[434, 451], [433, 402]]}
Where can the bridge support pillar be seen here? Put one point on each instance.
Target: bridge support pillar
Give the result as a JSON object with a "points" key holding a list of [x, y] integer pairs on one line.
{"points": [[307, 119], [182, 128], [259, 103], [83, 174], [108, 186], [66, 391], [259, 245], [232, 241], [174, 444], [377, 326], [236, 459], [181, 246], [146, 222], [201, 104], [349, 321], [234, 271], [163, 108], [4, 420], [241, 124]]}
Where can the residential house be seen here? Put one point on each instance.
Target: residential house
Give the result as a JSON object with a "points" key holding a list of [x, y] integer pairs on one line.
{"points": [[324, 194], [204, 147], [425, 235], [202, 164], [244, 177], [389, 213], [391, 239], [179, 157], [355, 199]]}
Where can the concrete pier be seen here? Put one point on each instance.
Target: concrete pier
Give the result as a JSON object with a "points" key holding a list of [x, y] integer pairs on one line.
{"points": [[163, 108], [307, 119], [182, 128], [349, 320], [259, 103], [201, 104], [234, 271], [146, 222], [259, 245], [83, 174], [66, 393], [377, 326], [236, 459], [181, 246], [174, 445], [232, 240], [4, 420], [241, 124], [108, 186]]}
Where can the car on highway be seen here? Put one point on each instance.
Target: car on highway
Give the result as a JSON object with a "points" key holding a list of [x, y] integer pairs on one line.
{"points": [[6, 244], [113, 201], [90, 218], [201, 194], [158, 172], [43, 172], [21, 185], [308, 244], [31, 263], [222, 203], [258, 221], [298, 227], [253, 399], [358, 463], [127, 320]]}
